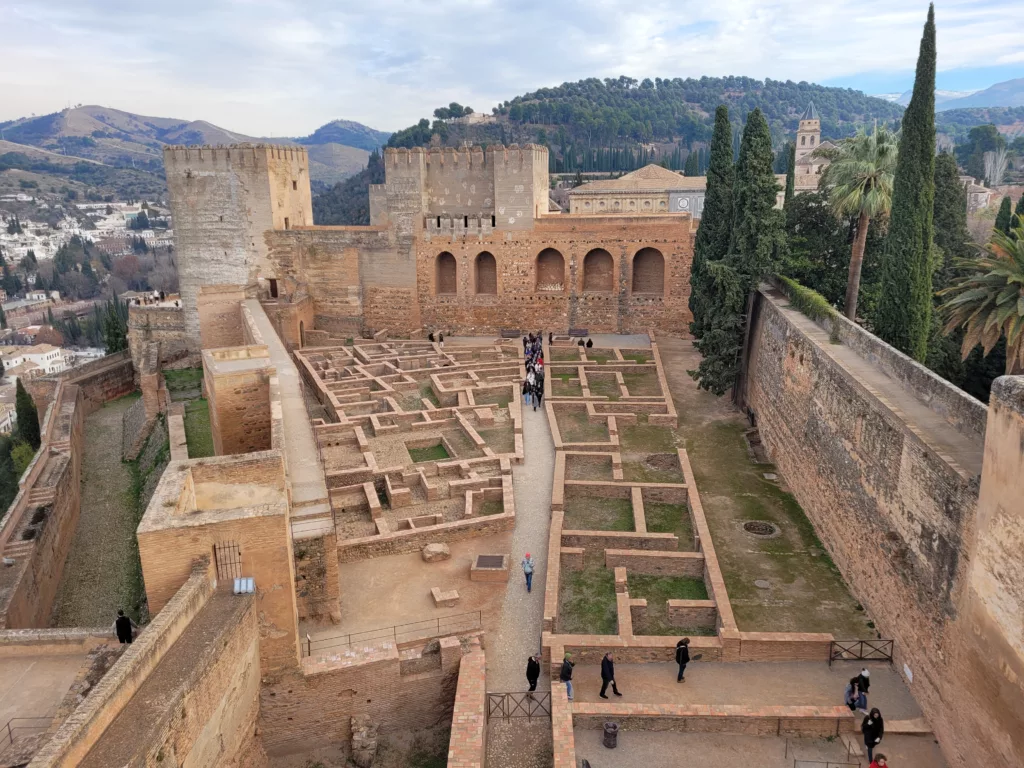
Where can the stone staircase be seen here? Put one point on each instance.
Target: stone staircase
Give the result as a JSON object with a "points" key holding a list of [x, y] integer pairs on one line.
{"points": [[40, 497]]}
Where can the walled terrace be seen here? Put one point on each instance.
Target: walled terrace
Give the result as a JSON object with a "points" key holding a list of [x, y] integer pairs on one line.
{"points": [[633, 566]]}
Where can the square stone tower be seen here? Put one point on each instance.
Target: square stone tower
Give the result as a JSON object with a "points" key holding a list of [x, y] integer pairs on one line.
{"points": [[808, 135], [222, 200]]}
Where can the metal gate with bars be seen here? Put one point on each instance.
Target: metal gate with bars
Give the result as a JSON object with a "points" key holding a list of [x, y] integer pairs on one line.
{"points": [[228, 557], [528, 704]]}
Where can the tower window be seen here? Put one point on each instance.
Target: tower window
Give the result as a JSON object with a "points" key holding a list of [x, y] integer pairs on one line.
{"points": [[273, 288], [295, 185], [803, 140], [493, 221], [812, 141], [465, 221], [438, 222], [286, 223]]}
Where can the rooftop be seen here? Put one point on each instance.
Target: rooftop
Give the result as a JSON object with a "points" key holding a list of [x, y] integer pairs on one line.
{"points": [[650, 178]]}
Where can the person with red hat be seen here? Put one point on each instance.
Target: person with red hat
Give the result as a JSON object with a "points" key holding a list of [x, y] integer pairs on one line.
{"points": [[528, 570]]}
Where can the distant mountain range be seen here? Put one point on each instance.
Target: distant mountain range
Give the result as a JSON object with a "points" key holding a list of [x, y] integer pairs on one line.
{"points": [[1006, 94], [125, 140]]}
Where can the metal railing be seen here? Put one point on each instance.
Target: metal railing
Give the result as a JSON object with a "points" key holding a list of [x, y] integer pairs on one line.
{"points": [[860, 650], [12, 728], [399, 633], [528, 704]]}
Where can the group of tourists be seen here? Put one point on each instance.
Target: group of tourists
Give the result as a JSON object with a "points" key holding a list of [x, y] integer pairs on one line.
{"points": [[872, 726], [533, 384]]}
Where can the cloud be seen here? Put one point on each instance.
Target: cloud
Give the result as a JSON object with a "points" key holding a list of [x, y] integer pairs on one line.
{"points": [[280, 67]]}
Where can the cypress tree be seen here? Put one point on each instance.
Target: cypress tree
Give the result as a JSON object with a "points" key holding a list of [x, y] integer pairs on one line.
{"points": [[1019, 210], [28, 417], [950, 218], [790, 173], [1003, 217], [758, 236], [690, 167], [712, 241], [904, 310]]}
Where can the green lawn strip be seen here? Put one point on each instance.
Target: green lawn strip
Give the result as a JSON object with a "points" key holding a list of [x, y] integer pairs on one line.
{"points": [[598, 514], [198, 435], [430, 453], [586, 600], [670, 518], [491, 508], [183, 378], [642, 438], [604, 386], [657, 591], [575, 428]]}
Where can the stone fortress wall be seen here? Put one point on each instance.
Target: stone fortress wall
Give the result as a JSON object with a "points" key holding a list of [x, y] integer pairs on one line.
{"points": [[890, 478], [459, 240]]}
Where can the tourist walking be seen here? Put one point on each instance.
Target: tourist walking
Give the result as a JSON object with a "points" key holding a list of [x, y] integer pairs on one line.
{"points": [[524, 346], [526, 392], [538, 394], [440, 340], [872, 727], [590, 343], [854, 697], [565, 675], [608, 675], [880, 761], [682, 658], [533, 671], [864, 680], [528, 570], [123, 627]]}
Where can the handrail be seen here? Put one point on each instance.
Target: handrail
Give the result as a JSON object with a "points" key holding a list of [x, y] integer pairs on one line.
{"points": [[415, 630], [21, 724], [861, 650]]}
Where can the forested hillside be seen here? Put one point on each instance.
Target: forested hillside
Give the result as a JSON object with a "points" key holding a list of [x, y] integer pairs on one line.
{"points": [[348, 201]]}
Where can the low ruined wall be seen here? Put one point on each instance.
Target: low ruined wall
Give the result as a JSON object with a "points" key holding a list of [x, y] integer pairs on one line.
{"points": [[897, 514], [165, 325], [413, 540], [313, 708], [810, 722], [689, 564], [467, 747]]}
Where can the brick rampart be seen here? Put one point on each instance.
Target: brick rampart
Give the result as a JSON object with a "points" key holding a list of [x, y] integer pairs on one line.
{"points": [[889, 479]]}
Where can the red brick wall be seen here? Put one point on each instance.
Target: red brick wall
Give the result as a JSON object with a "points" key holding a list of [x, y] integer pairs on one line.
{"points": [[468, 745]]}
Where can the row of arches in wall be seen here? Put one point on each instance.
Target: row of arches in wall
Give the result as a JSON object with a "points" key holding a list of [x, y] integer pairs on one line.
{"points": [[648, 272]]}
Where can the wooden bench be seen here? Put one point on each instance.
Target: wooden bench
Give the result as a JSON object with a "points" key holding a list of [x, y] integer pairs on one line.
{"points": [[511, 333], [578, 332]]}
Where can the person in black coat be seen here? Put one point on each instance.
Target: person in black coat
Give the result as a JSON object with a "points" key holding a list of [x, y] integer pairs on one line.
{"points": [[565, 674], [682, 658], [872, 728], [533, 671], [608, 675]]}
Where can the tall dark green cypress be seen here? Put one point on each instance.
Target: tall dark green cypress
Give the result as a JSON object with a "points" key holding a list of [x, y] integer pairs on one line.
{"points": [[1003, 217], [950, 219], [757, 240], [1019, 210], [790, 174], [904, 310], [28, 416], [712, 241]]}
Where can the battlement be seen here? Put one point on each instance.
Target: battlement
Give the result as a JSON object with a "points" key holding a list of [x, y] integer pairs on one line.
{"points": [[465, 157], [233, 153]]}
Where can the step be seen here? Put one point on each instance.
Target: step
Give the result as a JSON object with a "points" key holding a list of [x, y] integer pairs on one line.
{"points": [[916, 727], [853, 745]]}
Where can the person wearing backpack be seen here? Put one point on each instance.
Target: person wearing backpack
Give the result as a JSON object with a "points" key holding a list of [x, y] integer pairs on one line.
{"points": [[682, 658]]}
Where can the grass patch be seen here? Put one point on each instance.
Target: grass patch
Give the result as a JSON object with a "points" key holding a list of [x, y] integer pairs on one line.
{"points": [[183, 379], [491, 508], [430, 453], [427, 391], [198, 434], [499, 439], [461, 444], [670, 518], [637, 357], [642, 384], [598, 514], [141, 469], [564, 354], [575, 428], [599, 359], [657, 591], [564, 386], [604, 386], [642, 438], [586, 600]]}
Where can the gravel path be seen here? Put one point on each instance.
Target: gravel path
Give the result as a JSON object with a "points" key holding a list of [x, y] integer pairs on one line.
{"points": [[98, 574], [518, 742]]}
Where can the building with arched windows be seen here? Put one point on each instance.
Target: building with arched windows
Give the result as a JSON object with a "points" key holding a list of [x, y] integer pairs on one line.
{"points": [[459, 240]]}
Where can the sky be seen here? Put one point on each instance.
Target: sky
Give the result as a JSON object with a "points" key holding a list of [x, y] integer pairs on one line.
{"points": [[283, 68]]}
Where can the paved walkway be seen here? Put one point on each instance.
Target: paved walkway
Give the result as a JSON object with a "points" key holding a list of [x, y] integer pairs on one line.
{"points": [[517, 742], [101, 572], [796, 683]]}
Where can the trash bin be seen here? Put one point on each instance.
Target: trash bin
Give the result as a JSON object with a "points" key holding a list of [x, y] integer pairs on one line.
{"points": [[611, 735]]}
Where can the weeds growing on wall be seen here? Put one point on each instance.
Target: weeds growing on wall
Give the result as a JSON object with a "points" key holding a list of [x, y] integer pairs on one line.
{"points": [[145, 471]]}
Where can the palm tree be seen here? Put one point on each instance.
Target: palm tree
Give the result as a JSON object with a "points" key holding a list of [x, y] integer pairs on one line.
{"points": [[988, 301], [858, 182]]}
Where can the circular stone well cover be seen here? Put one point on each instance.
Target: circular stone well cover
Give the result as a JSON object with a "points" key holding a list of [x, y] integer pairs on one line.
{"points": [[760, 528], [762, 583]]}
